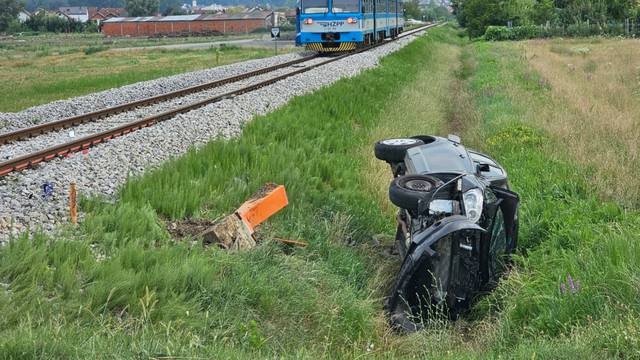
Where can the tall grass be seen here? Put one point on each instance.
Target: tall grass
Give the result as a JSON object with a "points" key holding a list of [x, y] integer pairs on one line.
{"points": [[593, 108], [122, 285], [566, 231]]}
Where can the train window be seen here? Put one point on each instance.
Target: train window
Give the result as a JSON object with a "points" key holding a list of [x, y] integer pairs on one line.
{"points": [[315, 6], [342, 6]]}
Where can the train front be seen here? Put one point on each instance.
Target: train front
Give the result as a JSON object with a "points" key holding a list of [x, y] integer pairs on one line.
{"points": [[329, 25]]}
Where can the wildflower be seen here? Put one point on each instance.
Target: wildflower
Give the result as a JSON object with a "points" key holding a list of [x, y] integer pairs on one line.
{"points": [[571, 286]]}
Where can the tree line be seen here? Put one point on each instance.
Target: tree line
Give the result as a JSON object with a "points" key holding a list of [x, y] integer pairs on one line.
{"points": [[432, 11], [478, 15]]}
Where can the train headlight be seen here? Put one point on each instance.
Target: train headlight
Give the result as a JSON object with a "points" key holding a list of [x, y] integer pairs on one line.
{"points": [[308, 21], [352, 21]]}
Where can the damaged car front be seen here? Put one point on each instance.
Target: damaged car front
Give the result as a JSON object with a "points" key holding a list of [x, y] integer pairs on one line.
{"points": [[457, 226]]}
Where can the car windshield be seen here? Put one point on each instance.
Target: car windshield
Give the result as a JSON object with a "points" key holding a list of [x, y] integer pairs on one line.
{"points": [[315, 6], [342, 6]]}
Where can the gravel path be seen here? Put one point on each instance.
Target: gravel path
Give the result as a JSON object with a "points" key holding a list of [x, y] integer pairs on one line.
{"points": [[105, 167]]}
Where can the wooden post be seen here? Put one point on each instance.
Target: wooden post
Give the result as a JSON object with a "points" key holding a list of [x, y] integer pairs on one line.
{"points": [[73, 209]]}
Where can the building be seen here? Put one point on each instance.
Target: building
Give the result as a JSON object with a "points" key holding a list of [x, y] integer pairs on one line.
{"points": [[77, 13], [209, 9], [179, 25], [23, 16], [107, 13]]}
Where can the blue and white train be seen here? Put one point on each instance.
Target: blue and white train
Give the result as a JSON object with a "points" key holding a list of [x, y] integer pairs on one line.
{"points": [[343, 25]]}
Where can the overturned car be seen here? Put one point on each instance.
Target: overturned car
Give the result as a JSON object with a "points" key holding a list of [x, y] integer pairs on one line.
{"points": [[457, 226]]}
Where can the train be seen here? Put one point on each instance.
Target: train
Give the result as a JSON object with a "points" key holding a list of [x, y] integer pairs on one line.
{"points": [[344, 25]]}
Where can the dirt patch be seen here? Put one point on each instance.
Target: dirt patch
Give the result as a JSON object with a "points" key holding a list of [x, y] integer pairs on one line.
{"points": [[189, 228], [263, 191], [228, 233]]}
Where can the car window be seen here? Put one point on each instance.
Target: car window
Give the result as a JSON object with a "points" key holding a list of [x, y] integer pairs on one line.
{"points": [[479, 158], [494, 169], [497, 246]]}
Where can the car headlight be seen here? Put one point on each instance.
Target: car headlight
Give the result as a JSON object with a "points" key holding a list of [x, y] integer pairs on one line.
{"points": [[473, 201]]}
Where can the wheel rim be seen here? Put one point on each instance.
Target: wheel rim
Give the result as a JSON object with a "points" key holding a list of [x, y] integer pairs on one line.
{"points": [[399, 142], [419, 185]]}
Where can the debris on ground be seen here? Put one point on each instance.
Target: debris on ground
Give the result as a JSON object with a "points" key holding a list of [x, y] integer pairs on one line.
{"points": [[236, 231]]}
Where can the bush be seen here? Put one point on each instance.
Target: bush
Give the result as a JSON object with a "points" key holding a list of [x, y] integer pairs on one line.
{"points": [[15, 27], [502, 33], [498, 33], [527, 32], [47, 23], [94, 49], [260, 30]]}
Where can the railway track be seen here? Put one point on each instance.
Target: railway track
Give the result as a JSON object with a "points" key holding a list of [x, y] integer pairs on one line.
{"points": [[100, 114], [61, 150]]}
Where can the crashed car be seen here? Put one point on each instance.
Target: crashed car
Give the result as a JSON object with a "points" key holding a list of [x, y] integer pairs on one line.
{"points": [[457, 226]]}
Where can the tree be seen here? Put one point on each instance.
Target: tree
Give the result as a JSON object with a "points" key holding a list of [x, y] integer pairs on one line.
{"points": [[543, 11], [518, 11], [412, 10], [172, 7], [480, 14], [458, 11], [476, 15], [174, 11], [434, 11], [9, 10], [142, 7]]}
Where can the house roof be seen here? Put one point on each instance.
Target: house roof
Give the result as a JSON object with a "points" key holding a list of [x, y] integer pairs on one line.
{"points": [[213, 17], [74, 10], [106, 13], [112, 10]]}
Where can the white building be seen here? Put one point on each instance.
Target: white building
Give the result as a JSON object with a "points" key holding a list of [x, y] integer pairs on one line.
{"points": [[23, 16], [77, 13]]}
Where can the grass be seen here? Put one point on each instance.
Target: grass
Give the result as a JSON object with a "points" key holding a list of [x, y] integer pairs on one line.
{"points": [[53, 42], [566, 229], [594, 107], [120, 287], [30, 77], [222, 302]]}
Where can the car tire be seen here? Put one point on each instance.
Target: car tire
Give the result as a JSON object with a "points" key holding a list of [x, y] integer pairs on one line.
{"points": [[427, 139], [409, 191], [394, 150]]}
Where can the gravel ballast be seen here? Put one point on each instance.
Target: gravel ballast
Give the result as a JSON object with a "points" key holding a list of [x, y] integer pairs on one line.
{"points": [[83, 104], [105, 167]]}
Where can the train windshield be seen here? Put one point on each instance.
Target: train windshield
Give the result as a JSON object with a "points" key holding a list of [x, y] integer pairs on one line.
{"points": [[344, 6], [315, 6]]}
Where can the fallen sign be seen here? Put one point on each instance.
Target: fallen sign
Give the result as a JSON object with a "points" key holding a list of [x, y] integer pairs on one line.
{"points": [[236, 231]]}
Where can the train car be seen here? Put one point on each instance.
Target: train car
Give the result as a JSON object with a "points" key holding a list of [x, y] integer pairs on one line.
{"points": [[343, 25]]}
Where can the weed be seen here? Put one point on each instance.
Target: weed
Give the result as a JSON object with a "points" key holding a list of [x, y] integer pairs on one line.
{"points": [[590, 67], [594, 114], [94, 49]]}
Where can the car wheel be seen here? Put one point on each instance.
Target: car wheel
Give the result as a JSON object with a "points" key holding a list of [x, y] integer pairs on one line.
{"points": [[394, 150], [408, 192]]}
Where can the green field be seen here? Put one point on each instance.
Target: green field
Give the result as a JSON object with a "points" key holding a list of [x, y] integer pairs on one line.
{"points": [[120, 287], [41, 69]]}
